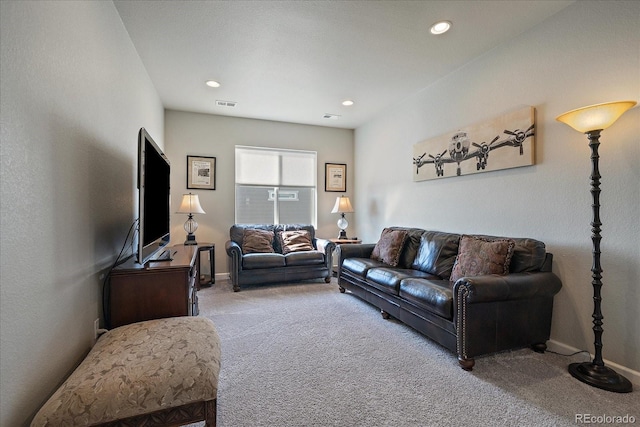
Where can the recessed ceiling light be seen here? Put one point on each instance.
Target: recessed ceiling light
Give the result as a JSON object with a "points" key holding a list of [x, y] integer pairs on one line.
{"points": [[440, 27], [212, 83], [347, 103]]}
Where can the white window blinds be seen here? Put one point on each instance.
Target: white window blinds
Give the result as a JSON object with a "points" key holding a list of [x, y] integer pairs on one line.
{"points": [[263, 173]]}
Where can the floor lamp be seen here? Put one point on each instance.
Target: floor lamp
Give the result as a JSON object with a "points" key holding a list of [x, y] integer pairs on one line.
{"points": [[592, 120]]}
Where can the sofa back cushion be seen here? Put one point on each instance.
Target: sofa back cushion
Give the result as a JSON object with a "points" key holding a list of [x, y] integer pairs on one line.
{"points": [[479, 256], [257, 241], [528, 254], [236, 232], [293, 227], [436, 253], [295, 241]]}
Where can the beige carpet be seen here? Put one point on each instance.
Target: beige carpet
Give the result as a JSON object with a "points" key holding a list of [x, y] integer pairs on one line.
{"points": [[305, 355]]}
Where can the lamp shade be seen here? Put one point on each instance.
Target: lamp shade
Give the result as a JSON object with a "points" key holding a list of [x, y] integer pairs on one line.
{"points": [[343, 205], [595, 117], [190, 204]]}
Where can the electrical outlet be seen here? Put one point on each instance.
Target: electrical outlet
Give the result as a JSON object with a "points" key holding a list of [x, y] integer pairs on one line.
{"points": [[96, 326]]}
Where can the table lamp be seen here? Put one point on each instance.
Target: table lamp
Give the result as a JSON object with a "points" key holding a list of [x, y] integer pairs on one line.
{"points": [[190, 205], [342, 206]]}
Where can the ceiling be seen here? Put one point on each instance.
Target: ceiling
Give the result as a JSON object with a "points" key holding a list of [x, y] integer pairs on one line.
{"points": [[295, 61]]}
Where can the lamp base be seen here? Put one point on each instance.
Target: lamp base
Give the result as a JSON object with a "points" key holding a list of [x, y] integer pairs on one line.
{"points": [[601, 377], [342, 235], [191, 240]]}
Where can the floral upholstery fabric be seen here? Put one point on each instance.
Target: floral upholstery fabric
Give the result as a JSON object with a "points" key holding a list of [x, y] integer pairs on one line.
{"points": [[478, 257], [138, 369]]}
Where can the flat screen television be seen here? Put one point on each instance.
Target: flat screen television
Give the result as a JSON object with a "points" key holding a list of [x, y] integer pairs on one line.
{"points": [[153, 197]]}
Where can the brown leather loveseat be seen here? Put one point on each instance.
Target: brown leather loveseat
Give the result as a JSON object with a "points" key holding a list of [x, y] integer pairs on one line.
{"points": [[267, 253], [472, 294]]}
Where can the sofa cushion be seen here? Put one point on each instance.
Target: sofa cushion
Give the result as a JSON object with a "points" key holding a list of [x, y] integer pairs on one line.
{"points": [[528, 255], [295, 241], [435, 296], [236, 232], [478, 256], [360, 266], [304, 258], [389, 247], [388, 279], [257, 241], [277, 243], [410, 245], [264, 260], [437, 253]]}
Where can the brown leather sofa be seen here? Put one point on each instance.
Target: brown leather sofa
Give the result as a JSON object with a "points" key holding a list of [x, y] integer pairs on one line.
{"points": [[277, 266], [472, 316]]}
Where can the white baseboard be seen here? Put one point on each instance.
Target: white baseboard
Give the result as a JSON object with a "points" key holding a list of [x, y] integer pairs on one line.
{"points": [[222, 277], [630, 374]]}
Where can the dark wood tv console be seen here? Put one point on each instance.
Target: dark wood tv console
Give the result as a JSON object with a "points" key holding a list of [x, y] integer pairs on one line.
{"points": [[155, 290]]}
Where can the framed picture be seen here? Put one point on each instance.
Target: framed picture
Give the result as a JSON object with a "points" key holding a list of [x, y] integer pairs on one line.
{"points": [[201, 172], [335, 177], [509, 138]]}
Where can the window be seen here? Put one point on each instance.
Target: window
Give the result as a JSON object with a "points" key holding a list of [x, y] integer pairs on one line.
{"points": [[275, 186]]}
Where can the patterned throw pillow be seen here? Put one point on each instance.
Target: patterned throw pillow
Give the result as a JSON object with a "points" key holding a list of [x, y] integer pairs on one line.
{"points": [[295, 241], [389, 247], [257, 241], [479, 257]]}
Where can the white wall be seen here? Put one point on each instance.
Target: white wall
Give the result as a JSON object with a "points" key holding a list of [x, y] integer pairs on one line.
{"points": [[586, 54], [216, 136], [74, 94]]}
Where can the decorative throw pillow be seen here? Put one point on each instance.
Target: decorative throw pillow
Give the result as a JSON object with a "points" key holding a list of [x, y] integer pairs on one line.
{"points": [[389, 247], [257, 241], [295, 241], [479, 257]]}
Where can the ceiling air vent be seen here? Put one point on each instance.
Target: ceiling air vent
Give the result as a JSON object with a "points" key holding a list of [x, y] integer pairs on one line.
{"points": [[331, 116], [226, 103]]}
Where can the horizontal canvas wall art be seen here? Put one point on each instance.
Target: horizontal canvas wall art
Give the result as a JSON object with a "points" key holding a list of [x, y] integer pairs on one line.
{"points": [[505, 142]]}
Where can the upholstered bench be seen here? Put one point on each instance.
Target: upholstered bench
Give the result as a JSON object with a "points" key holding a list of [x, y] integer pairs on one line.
{"points": [[155, 373]]}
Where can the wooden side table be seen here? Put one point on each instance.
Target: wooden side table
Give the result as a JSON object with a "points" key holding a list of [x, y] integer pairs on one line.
{"points": [[207, 279], [345, 241]]}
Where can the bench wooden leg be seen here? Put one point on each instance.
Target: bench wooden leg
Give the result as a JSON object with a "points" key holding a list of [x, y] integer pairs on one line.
{"points": [[211, 412], [179, 415]]}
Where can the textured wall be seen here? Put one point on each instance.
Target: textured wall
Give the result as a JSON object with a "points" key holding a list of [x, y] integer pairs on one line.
{"points": [[216, 136], [74, 94], [585, 54]]}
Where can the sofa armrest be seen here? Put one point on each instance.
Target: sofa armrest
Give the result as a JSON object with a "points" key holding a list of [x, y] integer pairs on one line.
{"points": [[233, 249], [493, 288], [356, 250], [235, 260], [326, 247], [359, 250]]}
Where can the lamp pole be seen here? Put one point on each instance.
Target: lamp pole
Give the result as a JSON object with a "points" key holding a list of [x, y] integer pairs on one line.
{"points": [[592, 120]]}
